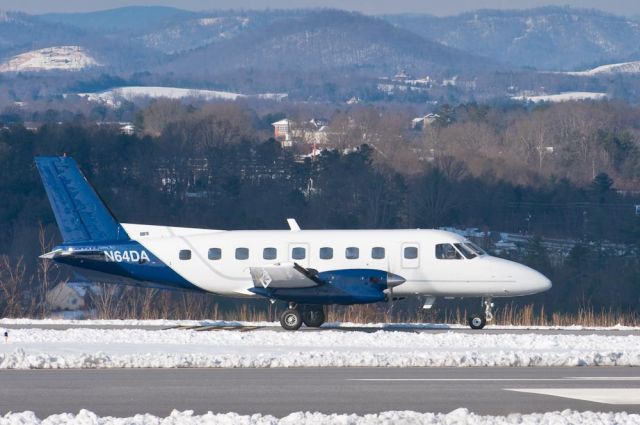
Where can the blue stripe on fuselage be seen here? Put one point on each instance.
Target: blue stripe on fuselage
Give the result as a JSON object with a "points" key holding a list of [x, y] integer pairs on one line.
{"points": [[129, 261]]}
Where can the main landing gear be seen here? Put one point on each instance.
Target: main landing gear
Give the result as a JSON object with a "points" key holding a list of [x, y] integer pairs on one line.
{"points": [[311, 315], [478, 321]]}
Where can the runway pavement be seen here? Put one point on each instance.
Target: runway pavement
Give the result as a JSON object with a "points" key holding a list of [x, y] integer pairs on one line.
{"points": [[496, 391]]}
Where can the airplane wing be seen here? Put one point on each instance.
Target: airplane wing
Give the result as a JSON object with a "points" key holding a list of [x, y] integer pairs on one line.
{"points": [[293, 283], [284, 276]]}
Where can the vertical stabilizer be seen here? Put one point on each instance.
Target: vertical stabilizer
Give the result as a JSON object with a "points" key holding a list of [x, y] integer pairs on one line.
{"points": [[79, 211]]}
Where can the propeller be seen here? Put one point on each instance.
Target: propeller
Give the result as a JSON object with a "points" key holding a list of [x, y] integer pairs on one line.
{"points": [[393, 280]]}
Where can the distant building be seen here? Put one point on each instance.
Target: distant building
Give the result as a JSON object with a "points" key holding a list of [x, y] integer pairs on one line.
{"points": [[420, 123], [545, 149], [310, 153], [317, 137], [453, 81], [282, 132], [424, 82], [66, 296], [318, 123], [123, 127], [401, 76], [312, 132], [128, 129], [282, 129], [353, 101]]}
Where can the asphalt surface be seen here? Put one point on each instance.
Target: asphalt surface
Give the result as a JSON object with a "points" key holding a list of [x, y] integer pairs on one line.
{"points": [[126, 392]]}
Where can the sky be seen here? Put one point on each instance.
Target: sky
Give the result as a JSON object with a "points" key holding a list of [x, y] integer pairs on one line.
{"points": [[435, 7]]}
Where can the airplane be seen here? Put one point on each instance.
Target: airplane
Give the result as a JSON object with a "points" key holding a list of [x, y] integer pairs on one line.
{"points": [[308, 269]]}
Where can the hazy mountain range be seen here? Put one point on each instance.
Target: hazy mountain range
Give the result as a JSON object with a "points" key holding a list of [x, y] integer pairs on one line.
{"points": [[549, 38], [289, 50]]}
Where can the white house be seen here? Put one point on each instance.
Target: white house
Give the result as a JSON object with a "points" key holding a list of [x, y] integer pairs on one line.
{"points": [[420, 123], [66, 296]]}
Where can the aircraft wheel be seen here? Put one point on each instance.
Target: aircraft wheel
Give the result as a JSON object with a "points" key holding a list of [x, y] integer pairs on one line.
{"points": [[313, 318], [477, 321], [291, 319]]}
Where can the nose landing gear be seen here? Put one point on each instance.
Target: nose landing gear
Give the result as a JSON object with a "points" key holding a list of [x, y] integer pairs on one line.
{"points": [[478, 321]]}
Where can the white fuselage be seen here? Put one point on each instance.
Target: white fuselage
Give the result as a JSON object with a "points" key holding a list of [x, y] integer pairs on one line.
{"points": [[217, 260]]}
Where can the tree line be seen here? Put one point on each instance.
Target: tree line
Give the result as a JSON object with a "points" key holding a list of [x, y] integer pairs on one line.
{"points": [[216, 167]]}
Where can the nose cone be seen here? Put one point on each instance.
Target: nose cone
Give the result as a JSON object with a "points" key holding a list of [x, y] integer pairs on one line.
{"points": [[539, 282], [523, 280], [530, 281]]}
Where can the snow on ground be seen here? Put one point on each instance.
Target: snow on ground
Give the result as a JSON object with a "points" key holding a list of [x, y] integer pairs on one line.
{"points": [[131, 93], [458, 417], [171, 348], [614, 68], [328, 325], [563, 97], [66, 58]]}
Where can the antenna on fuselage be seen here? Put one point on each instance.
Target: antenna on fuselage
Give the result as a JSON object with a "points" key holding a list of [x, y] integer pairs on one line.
{"points": [[293, 224]]}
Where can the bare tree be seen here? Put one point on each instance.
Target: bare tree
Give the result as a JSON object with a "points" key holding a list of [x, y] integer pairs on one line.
{"points": [[46, 273], [13, 281], [106, 300]]}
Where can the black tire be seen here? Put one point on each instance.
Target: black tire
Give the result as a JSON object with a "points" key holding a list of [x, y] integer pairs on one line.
{"points": [[478, 321], [313, 318], [291, 319]]}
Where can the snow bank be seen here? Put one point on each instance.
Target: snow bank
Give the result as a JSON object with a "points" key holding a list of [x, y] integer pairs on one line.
{"points": [[173, 348], [132, 93], [66, 58], [458, 417], [130, 322], [614, 68], [563, 97]]}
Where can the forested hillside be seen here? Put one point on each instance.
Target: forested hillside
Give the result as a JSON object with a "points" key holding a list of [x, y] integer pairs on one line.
{"points": [[549, 38], [217, 167]]}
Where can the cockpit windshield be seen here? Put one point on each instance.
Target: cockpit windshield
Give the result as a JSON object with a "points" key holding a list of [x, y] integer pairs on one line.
{"points": [[458, 251], [466, 251], [475, 248]]}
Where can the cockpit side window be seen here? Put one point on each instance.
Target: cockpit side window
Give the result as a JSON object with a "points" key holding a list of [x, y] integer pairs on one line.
{"points": [[446, 251]]}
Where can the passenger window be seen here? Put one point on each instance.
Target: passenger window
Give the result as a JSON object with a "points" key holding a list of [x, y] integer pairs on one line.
{"points": [[269, 253], [411, 252], [326, 253], [298, 253], [352, 253], [446, 251], [242, 253], [377, 253], [184, 254], [214, 254]]}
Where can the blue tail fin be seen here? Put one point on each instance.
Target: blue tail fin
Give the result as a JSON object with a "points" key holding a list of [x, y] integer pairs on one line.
{"points": [[79, 211]]}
